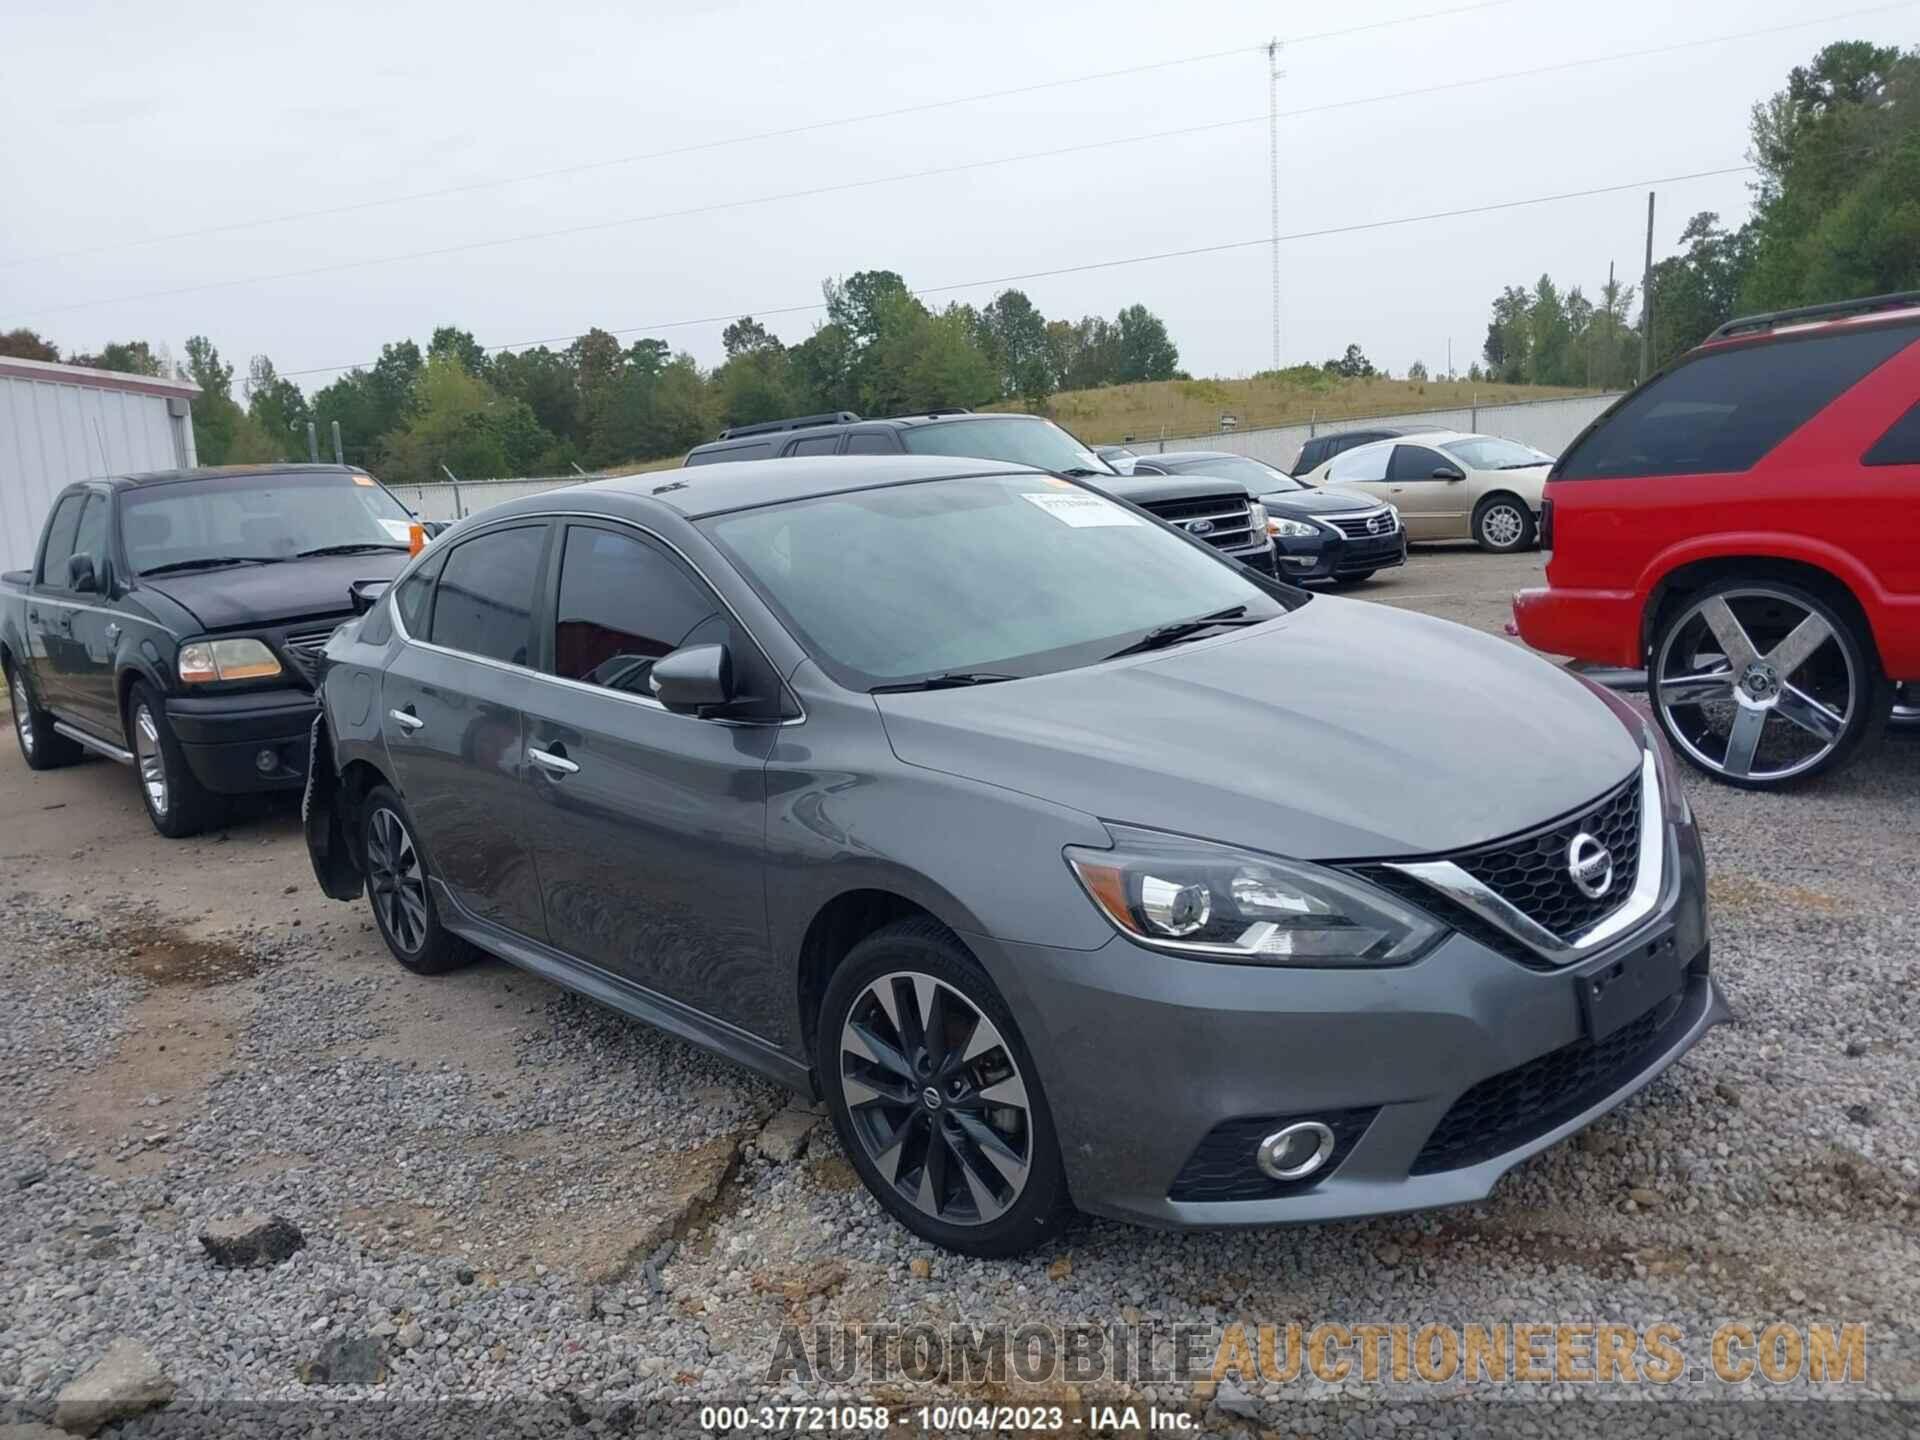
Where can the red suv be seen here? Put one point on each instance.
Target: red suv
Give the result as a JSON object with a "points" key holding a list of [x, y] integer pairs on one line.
{"points": [[1746, 525]]}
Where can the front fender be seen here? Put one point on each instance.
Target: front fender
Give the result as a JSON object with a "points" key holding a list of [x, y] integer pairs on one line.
{"points": [[334, 864]]}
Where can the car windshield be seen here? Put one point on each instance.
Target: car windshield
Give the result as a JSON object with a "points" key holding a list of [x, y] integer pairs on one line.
{"points": [[1001, 576], [228, 519], [1259, 477], [1039, 443], [1487, 453]]}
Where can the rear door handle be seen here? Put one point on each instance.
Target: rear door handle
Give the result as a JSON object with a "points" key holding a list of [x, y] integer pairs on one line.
{"points": [[406, 720], [558, 764]]}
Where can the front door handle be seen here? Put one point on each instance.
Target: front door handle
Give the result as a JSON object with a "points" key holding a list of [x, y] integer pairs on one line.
{"points": [[406, 720], [558, 764]]}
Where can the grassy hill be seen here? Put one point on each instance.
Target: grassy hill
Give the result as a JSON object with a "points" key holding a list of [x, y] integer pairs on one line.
{"points": [[1194, 407]]}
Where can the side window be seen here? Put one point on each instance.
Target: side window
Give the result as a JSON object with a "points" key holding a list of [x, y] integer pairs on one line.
{"points": [[412, 600], [816, 445], [1416, 462], [1900, 445], [483, 604], [870, 444], [738, 452], [1723, 411], [623, 604], [1366, 465], [60, 533], [91, 537]]}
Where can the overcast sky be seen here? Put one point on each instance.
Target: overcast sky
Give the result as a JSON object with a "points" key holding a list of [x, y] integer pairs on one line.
{"points": [[131, 122]]}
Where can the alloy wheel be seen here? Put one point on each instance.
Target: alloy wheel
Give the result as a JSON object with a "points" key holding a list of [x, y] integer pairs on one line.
{"points": [[22, 722], [936, 1098], [153, 766], [1503, 525], [1755, 685], [396, 880]]}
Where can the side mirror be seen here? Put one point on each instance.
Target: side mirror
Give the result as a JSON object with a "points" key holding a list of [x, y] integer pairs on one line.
{"points": [[80, 576], [693, 678], [435, 527], [1448, 472], [365, 594]]}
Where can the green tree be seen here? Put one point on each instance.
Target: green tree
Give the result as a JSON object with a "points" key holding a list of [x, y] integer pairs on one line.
{"points": [[1549, 335], [458, 421], [24, 344], [1510, 335], [1417, 372], [1354, 365], [130, 357], [459, 345], [747, 336], [544, 381], [1143, 349], [279, 408], [1699, 289], [216, 418], [1013, 336]]}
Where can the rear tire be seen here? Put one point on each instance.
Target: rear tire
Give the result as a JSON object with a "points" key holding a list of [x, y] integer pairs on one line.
{"points": [[934, 1096], [41, 746], [177, 803], [397, 890], [1503, 524]]}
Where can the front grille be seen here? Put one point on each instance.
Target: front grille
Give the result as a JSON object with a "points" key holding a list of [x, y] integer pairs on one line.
{"points": [[1532, 875], [1222, 1165], [303, 652], [1364, 525], [1507, 1110], [1227, 519]]}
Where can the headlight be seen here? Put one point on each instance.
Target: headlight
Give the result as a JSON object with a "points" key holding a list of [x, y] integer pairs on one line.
{"points": [[206, 660], [1298, 529], [1257, 516], [1394, 510], [1197, 898]]}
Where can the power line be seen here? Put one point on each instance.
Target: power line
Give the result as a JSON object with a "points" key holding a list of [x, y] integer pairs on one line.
{"points": [[469, 246], [1085, 266], [700, 147]]}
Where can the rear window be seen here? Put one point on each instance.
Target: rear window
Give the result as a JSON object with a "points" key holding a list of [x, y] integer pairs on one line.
{"points": [[1901, 444], [1725, 410], [736, 452]]}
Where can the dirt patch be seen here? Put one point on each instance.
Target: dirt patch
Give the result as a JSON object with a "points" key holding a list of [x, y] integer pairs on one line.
{"points": [[165, 956], [1743, 892], [832, 1172]]}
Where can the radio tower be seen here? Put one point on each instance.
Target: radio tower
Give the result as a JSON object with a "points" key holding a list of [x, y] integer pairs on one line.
{"points": [[1274, 74]]}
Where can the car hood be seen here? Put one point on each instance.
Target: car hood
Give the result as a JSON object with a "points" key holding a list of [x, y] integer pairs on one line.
{"points": [[1317, 502], [1140, 489], [1342, 730], [243, 595]]}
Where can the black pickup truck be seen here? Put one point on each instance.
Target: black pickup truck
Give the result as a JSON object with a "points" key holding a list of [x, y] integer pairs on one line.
{"points": [[171, 621]]}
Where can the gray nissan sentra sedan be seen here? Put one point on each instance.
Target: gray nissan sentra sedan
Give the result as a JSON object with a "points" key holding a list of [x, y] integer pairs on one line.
{"points": [[944, 790]]}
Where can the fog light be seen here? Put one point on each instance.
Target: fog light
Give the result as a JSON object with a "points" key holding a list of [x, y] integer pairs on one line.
{"points": [[1295, 1152], [266, 762]]}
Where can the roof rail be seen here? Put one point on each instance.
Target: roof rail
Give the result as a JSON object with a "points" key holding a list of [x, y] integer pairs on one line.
{"points": [[796, 422], [1833, 310], [935, 413]]}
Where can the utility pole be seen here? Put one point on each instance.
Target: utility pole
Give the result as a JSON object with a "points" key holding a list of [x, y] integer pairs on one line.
{"points": [[1274, 74], [1646, 301]]}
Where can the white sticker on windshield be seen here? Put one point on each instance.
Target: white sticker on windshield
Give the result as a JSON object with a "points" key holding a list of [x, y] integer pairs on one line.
{"points": [[398, 529], [1081, 510]]}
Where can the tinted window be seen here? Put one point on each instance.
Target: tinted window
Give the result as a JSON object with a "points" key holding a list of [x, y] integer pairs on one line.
{"points": [[484, 602], [60, 532], [1365, 465], [1726, 409], [410, 600], [1416, 462], [871, 444], [624, 604], [1901, 444], [91, 537], [735, 452], [816, 445]]}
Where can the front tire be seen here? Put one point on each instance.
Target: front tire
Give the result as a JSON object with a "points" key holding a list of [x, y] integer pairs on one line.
{"points": [[935, 1097], [41, 746], [177, 803], [1762, 684], [403, 907], [1503, 524]]}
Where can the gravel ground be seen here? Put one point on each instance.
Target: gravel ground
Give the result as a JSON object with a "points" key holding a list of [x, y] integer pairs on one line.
{"points": [[527, 1202]]}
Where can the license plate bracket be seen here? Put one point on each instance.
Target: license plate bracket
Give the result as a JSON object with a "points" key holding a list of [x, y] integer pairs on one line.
{"points": [[1630, 985]]}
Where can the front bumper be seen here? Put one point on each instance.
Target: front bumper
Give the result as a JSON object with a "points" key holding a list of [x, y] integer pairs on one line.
{"points": [[225, 736], [1144, 1056], [1602, 626], [1334, 557]]}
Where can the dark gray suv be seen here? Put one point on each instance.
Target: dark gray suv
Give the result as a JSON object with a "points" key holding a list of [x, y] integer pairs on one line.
{"points": [[921, 785]]}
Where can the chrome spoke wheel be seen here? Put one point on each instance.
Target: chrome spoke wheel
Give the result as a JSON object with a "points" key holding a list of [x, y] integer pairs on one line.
{"points": [[936, 1098], [1503, 525], [396, 882], [1755, 685], [22, 722], [153, 765]]}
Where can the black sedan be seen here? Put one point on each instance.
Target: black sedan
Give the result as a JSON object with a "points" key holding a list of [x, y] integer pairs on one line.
{"points": [[1330, 534]]}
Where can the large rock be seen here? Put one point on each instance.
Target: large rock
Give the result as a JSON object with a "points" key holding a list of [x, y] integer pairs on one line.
{"points": [[784, 1139], [241, 1241], [122, 1383], [350, 1360]]}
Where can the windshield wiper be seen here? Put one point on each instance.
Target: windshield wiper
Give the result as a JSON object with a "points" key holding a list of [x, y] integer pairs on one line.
{"points": [[949, 680], [1080, 472], [207, 562], [1164, 635], [358, 547]]}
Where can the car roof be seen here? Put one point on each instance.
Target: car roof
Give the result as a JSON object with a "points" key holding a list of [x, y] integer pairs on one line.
{"points": [[1427, 437], [218, 472], [701, 490], [1173, 456], [878, 422]]}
